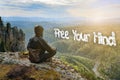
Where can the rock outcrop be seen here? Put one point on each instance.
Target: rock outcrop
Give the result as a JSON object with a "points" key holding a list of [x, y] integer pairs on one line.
{"points": [[11, 38], [22, 69]]}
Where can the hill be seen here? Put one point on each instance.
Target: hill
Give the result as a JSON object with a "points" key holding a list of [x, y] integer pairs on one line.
{"points": [[83, 65], [105, 57]]}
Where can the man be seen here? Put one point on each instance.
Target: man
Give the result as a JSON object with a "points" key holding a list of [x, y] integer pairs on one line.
{"points": [[39, 50]]}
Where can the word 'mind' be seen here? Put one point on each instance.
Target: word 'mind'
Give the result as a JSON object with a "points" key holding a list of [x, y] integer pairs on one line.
{"points": [[104, 39]]}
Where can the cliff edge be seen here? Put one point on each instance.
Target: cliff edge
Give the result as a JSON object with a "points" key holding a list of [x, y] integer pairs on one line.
{"points": [[15, 66]]}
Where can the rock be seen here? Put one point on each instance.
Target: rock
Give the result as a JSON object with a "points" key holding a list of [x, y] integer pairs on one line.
{"points": [[11, 38], [55, 70], [72, 70], [1, 58], [1, 22], [17, 71]]}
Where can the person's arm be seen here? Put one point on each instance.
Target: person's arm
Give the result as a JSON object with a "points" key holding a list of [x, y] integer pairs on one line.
{"points": [[46, 46]]}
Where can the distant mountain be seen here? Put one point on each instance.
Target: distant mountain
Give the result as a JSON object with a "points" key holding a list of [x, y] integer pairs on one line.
{"points": [[38, 19], [56, 20], [28, 23], [28, 26]]}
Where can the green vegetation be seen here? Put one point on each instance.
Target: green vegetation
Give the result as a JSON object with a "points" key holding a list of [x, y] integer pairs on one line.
{"points": [[82, 65], [107, 56]]}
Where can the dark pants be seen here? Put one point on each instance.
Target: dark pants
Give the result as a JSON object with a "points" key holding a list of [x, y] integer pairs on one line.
{"points": [[46, 56], [36, 57]]}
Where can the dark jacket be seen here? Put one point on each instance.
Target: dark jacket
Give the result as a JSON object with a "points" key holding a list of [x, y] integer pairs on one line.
{"points": [[40, 43]]}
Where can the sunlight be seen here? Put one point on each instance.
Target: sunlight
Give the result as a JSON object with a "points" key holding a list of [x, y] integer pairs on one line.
{"points": [[97, 17]]}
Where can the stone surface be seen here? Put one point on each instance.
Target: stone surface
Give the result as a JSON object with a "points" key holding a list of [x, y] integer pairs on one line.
{"points": [[11, 38], [50, 69], [17, 71]]}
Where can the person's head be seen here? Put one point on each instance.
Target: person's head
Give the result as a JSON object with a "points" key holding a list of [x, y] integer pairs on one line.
{"points": [[38, 31]]}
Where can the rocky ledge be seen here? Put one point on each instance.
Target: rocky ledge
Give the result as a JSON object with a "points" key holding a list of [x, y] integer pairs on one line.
{"points": [[18, 67]]}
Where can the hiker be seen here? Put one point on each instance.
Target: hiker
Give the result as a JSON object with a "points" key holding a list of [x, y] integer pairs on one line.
{"points": [[39, 50]]}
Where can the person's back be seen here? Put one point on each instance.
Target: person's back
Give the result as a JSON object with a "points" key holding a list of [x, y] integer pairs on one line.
{"points": [[37, 47]]}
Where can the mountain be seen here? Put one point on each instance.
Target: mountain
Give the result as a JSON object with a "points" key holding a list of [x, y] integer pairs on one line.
{"points": [[106, 59], [27, 23], [38, 19]]}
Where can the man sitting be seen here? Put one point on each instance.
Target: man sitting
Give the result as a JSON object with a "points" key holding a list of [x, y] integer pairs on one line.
{"points": [[39, 50]]}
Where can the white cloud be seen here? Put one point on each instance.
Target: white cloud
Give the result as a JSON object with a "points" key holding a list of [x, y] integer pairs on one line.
{"points": [[106, 11], [51, 2], [64, 2], [75, 8], [11, 11]]}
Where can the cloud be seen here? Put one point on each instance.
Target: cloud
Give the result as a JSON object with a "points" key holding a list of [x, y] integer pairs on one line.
{"points": [[30, 8], [49, 2], [106, 11], [11, 11], [60, 8], [53, 2]]}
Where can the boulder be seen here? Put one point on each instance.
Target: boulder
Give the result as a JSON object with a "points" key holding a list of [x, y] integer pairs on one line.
{"points": [[17, 71]]}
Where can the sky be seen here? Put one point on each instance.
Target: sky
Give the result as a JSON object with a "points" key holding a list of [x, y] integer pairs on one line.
{"points": [[93, 9]]}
